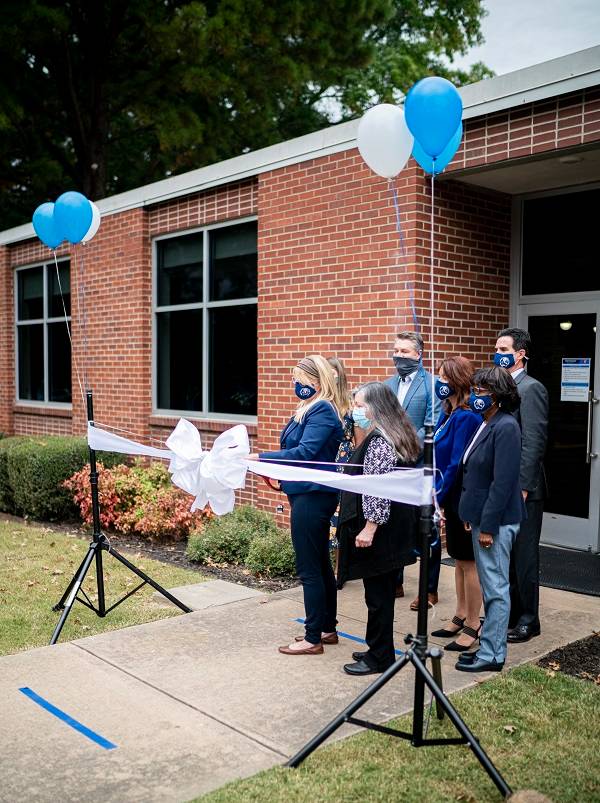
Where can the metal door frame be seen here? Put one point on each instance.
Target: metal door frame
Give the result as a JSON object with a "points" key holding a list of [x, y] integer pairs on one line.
{"points": [[560, 530]]}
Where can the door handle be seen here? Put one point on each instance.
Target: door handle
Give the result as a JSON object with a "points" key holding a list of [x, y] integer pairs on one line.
{"points": [[589, 455]]}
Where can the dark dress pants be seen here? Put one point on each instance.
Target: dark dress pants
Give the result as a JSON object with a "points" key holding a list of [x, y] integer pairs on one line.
{"points": [[525, 569], [380, 598], [310, 517]]}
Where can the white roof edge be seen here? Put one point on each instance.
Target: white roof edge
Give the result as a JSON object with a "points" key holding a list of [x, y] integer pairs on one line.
{"points": [[548, 79]]}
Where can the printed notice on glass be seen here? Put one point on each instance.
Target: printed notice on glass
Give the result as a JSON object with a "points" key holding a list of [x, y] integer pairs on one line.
{"points": [[575, 379]]}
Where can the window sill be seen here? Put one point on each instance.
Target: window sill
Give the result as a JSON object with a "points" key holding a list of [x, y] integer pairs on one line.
{"points": [[43, 410], [203, 424]]}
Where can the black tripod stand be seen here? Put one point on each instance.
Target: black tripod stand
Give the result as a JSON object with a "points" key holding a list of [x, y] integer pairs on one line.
{"points": [[416, 655], [98, 545]]}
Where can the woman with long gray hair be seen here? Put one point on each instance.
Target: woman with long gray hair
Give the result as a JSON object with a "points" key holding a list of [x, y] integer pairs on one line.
{"points": [[378, 536]]}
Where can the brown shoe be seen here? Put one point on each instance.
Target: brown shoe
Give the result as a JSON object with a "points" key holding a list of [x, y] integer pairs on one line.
{"points": [[431, 598], [399, 591], [316, 649], [332, 638]]}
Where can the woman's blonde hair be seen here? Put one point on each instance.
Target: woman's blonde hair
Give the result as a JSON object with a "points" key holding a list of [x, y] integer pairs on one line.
{"points": [[309, 370], [343, 396]]}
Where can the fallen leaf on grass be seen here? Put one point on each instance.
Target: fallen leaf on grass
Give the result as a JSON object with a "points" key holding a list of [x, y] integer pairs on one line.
{"points": [[31, 583], [554, 665], [57, 571], [509, 728], [550, 673]]}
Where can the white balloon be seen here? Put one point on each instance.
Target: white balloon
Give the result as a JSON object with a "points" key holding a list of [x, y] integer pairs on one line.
{"points": [[384, 141], [94, 225]]}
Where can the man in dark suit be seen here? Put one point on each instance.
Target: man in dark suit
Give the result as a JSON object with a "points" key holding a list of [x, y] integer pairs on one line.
{"points": [[512, 352], [412, 385]]}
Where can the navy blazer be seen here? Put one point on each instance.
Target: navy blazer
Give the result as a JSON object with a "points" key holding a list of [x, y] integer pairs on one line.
{"points": [[491, 491], [317, 438], [418, 403], [452, 435]]}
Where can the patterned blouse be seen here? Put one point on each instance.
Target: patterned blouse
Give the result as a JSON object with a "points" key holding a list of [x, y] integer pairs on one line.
{"points": [[347, 444], [379, 459]]}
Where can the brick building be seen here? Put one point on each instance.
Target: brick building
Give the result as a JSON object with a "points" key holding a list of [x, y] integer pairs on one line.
{"points": [[200, 292]]}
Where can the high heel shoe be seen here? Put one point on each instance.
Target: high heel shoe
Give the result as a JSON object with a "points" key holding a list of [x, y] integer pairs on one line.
{"points": [[456, 620], [467, 631]]}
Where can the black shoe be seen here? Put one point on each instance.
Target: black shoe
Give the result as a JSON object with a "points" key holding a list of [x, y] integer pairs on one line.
{"points": [[467, 657], [359, 656], [479, 666], [456, 620], [467, 631], [361, 668], [522, 633]]}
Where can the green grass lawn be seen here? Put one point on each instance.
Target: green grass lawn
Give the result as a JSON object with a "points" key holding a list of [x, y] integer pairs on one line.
{"points": [[539, 728], [35, 566]]}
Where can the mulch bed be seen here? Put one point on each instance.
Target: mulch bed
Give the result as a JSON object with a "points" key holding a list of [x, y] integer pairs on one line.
{"points": [[581, 659]]}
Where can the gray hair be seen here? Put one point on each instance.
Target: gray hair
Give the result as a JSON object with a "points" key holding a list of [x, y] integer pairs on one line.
{"points": [[414, 338], [391, 420]]}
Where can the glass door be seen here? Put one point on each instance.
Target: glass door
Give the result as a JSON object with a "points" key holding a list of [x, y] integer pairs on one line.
{"points": [[565, 358]]}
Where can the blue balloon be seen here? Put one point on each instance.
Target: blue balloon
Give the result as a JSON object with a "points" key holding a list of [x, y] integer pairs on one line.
{"points": [[433, 110], [73, 214], [445, 157], [45, 227]]}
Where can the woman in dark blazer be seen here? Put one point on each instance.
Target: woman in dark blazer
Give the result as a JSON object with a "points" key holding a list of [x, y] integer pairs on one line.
{"points": [[377, 536], [313, 434], [455, 428], [491, 504]]}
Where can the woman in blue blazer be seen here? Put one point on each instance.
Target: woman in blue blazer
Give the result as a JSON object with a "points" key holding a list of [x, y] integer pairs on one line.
{"points": [[456, 427], [314, 434], [491, 504]]}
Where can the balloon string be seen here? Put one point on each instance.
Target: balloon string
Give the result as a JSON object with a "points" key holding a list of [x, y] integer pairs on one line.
{"points": [[431, 291], [62, 298], [411, 288], [81, 299]]}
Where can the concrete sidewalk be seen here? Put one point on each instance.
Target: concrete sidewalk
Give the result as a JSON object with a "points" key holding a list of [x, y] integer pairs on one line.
{"points": [[193, 702]]}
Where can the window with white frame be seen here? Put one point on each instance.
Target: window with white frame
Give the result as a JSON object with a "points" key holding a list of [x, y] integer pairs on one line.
{"points": [[205, 321], [43, 347]]}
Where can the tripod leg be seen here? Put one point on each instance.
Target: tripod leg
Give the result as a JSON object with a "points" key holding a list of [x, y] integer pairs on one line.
{"points": [[61, 603], [149, 580], [461, 727], [308, 748], [75, 585], [436, 671]]}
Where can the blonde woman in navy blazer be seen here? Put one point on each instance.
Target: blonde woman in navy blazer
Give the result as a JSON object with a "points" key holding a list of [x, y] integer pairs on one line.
{"points": [[491, 504]]}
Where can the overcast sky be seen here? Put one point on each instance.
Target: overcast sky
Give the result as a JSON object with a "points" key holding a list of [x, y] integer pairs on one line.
{"points": [[519, 33]]}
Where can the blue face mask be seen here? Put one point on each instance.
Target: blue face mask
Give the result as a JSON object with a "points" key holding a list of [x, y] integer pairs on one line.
{"points": [[504, 360], [479, 404], [304, 392], [359, 417], [443, 390]]}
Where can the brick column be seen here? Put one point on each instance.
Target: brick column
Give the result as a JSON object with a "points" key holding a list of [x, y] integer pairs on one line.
{"points": [[7, 339]]}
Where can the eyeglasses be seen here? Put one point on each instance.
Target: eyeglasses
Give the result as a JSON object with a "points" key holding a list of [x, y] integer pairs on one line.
{"points": [[480, 391]]}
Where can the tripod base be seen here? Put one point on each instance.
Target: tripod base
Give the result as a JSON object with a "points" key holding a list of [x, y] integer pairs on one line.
{"points": [[97, 546], [444, 706]]}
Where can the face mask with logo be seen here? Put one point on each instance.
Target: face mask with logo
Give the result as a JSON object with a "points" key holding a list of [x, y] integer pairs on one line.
{"points": [[405, 365], [443, 390], [504, 360], [304, 392], [480, 404], [359, 418]]}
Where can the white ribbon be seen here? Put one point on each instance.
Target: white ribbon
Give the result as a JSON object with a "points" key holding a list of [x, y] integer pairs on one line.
{"points": [[213, 476]]}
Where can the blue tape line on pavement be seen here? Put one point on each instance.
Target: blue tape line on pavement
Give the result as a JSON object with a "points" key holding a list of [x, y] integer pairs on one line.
{"points": [[52, 709], [351, 637]]}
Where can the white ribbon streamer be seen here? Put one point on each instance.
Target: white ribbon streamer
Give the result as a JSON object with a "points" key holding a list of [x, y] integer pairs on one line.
{"points": [[213, 476]]}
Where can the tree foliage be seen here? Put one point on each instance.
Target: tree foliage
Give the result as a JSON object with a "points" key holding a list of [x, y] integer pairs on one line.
{"points": [[108, 95]]}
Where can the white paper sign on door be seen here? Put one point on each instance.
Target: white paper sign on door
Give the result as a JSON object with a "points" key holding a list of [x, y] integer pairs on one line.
{"points": [[575, 379]]}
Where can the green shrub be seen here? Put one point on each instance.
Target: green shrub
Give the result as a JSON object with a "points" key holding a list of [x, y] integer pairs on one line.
{"points": [[272, 554], [36, 468], [7, 498], [227, 539]]}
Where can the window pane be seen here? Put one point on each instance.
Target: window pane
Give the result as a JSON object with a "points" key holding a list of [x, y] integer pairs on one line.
{"points": [[180, 270], [31, 362], [233, 360], [233, 262], [55, 306], [30, 294], [560, 252], [59, 363], [179, 360]]}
